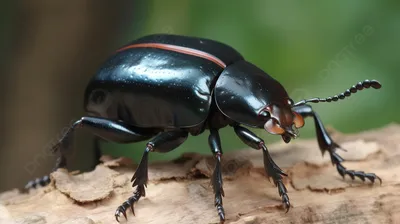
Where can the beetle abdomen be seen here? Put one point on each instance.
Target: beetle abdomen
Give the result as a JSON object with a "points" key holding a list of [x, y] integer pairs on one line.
{"points": [[220, 51], [154, 87]]}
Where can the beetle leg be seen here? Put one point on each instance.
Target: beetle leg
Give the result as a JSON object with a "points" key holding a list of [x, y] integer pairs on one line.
{"points": [[45, 180], [327, 144], [215, 146], [272, 170], [104, 128], [163, 142]]}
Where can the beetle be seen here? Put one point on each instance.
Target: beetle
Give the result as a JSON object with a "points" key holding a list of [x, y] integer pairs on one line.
{"points": [[161, 88]]}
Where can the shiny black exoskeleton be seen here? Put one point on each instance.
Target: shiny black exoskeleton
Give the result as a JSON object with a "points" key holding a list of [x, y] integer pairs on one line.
{"points": [[163, 88]]}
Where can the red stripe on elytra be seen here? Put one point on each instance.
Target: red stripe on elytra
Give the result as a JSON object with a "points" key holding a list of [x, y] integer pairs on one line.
{"points": [[183, 50]]}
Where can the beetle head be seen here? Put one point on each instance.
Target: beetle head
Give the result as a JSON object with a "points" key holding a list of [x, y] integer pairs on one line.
{"points": [[282, 120]]}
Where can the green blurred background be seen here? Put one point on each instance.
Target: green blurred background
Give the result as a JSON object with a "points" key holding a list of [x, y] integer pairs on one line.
{"points": [[49, 51]]}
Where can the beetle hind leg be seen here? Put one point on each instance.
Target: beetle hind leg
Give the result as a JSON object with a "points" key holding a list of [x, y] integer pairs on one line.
{"points": [[327, 144], [45, 180], [102, 128], [163, 142], [38, 182]]}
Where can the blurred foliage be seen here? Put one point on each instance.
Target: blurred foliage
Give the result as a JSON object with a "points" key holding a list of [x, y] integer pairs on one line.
{"points": [[314, 48]]}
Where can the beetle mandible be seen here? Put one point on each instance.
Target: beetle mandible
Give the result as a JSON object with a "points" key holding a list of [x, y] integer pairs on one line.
{"points": [[161, 88]]}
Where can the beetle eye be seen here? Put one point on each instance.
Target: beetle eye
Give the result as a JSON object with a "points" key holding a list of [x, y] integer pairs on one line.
{"points": [[290, 102], [98, 96], [273, 127], [298, 120]]}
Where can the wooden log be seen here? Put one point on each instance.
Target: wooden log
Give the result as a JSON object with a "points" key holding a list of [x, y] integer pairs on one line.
{"points": [[180, 192]]}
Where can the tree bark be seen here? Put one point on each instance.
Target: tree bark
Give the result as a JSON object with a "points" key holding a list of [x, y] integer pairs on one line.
{"points": [[179, 191]]}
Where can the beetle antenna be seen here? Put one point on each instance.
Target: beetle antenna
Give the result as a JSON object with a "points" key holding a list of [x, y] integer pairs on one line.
{"points": [[358, 87]]}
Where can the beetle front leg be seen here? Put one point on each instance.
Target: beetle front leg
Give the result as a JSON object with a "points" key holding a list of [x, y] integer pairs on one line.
{"points": [[104, 128], [272, 170], [327, 144], [215, 146], [163, 142]]}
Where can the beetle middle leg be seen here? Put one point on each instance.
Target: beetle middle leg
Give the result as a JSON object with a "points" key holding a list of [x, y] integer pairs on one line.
{"points": [[215, 146], [102, 128], [272, 170], [327, 144], [163, 142]]}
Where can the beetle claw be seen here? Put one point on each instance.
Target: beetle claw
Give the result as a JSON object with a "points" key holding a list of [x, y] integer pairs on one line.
{"points": [[283, 193], [130, 203], [221, 214], [120, 210]]}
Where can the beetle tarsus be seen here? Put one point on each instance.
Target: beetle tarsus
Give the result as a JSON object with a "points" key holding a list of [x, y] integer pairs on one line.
{"points": [[221, 214], [218, 190], [337, 160], [61, 146], [216, 181], [163, 142], [140, 192], [283, 193], [43, 181], [276, 173], [326, 143], [139, 179]]}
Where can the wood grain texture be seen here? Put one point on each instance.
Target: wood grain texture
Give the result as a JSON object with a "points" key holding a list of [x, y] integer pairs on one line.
{"points": [[180, 192]]}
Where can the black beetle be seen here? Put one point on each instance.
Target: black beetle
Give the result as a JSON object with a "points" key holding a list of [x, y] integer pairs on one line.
{"points": [[161, 88]]}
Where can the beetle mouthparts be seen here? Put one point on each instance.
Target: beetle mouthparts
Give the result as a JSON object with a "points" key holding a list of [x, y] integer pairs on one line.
{"points": [[293, 132], [286, 138], [290, 132]]}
